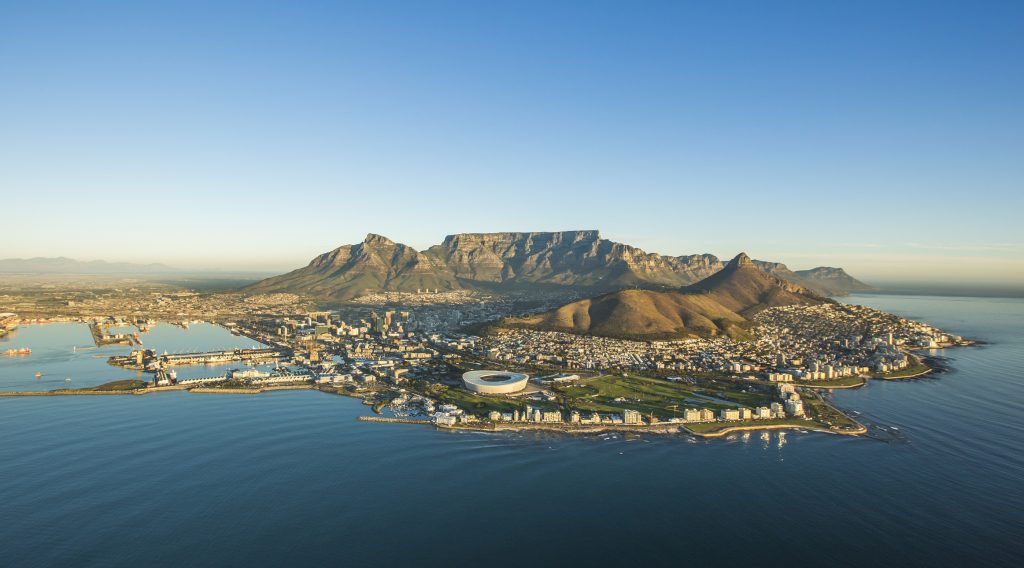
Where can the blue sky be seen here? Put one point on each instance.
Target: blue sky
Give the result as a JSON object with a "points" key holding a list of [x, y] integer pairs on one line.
{"points": [[885, 137]]}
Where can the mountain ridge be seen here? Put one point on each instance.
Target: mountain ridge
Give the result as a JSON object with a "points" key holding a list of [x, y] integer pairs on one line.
{"points": [[502, 261], [721, 304]]}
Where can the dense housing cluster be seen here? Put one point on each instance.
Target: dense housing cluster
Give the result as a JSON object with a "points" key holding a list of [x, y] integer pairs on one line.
{"points": [[816, 343]]}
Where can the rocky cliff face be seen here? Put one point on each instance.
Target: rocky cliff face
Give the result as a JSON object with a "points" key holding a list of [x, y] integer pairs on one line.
{"points": [[502, 257], [572, 258], [348, 271], [497, 261]]}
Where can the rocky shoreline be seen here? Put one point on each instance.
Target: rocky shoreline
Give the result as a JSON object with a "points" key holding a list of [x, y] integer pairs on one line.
{"points": [[669, 428]]}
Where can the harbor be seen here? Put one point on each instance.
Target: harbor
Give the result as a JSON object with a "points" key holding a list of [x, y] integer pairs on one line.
{"points": [[64, 355]]}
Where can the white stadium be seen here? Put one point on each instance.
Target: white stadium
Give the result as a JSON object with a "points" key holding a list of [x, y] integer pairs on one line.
{"points": [[494, 382]]}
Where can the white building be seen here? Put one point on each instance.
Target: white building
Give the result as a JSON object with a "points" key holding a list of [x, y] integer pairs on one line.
{"points": [[795, 407]]}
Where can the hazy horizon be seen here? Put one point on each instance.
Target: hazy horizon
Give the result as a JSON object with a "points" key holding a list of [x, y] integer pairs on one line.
{"points": [[938, 284], [881, 138]]}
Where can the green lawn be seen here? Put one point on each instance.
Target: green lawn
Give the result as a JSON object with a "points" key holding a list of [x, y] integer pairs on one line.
{"points": [[840, 382], [656, 396], [648, 395], [712, 427], [826, 413]]}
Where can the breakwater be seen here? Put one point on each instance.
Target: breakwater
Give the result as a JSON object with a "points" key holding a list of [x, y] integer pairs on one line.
{"points": [[756, 427], [66, 392], [207, 390], [393, 420]]}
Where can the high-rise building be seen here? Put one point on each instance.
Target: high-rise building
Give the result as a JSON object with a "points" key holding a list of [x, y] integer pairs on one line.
{"points": [[795, 407], [729, 414]]}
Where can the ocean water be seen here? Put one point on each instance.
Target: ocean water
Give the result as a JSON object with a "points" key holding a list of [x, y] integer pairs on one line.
{"points": [[291, 478]]}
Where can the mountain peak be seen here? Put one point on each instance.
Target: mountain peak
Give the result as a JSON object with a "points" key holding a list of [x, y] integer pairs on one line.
{"points": [[375, 239], [721, 304], [741, 260]]}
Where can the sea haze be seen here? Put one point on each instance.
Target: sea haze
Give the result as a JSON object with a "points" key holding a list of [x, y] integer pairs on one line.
{"points": [[974, 289]]}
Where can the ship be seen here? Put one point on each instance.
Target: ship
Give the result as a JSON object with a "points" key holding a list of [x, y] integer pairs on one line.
{"points": [[18, 352]]}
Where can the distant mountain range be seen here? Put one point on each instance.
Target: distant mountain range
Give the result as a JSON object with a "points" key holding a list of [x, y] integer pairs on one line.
{"points": [[62, 265], [721, 304], [516, 261]]}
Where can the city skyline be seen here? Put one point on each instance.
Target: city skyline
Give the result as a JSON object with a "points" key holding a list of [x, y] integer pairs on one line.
{"points": [[883, 139]]}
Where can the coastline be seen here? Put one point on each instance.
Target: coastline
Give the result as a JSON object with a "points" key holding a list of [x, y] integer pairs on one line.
{"points": [[930, 364], [563, 428], [657, 428], [833, 387], [754, 427], [913, 376]]}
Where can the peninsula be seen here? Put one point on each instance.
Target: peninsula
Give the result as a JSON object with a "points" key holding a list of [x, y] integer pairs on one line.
{"points": [[598, 336]]}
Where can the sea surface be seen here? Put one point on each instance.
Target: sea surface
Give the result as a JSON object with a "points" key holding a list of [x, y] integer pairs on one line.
{"points": [[291, 478]]}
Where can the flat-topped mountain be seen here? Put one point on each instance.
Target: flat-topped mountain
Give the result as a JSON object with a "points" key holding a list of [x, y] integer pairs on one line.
{"points": [[489, 261], [493, 262], [721, 304], [571, 258]]}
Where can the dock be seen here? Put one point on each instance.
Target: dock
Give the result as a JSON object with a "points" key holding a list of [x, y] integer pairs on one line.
{"points": [[226, 356], [101, 338]]}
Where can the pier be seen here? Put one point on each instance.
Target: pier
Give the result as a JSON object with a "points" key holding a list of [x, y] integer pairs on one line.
{"points": [[227, 356], [142, 359], [101, 338]]}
